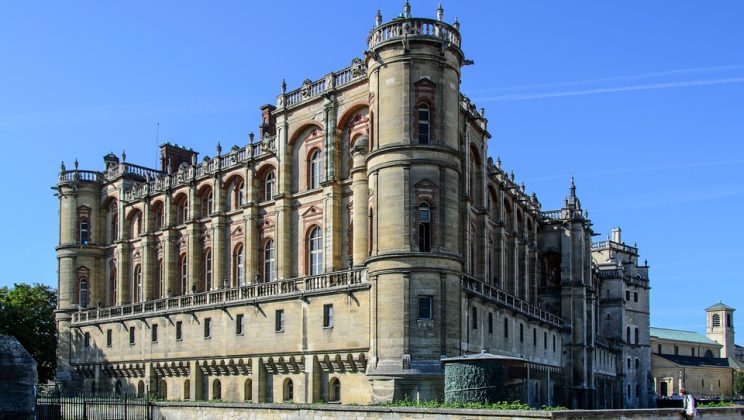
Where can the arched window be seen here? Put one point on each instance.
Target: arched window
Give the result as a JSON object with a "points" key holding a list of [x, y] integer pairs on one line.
{"points": [[288, 389], [141, 389], [627, 335], [207, 203], [269, 265], [248, 390], [708, 353], [315, 251], [137, 283], [423, 124], [183, 210], [83, 293], [114, 221], [424, 228], [636, 336], [186, 389], [315, 169], [163, 391], [216, 390], [84, 231], [208, 270], [113, 286], [183, 273], [239, 266], [716, 320], [239, 193], [269, 184], [159, 215], [334, 390]]}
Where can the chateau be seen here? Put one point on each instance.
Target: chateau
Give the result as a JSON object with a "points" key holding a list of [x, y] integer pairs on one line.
{"points": [[362, 236]]}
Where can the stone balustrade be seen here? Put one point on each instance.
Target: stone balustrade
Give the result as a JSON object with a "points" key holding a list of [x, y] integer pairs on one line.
{"points": [[508, 301], [314, 89], [346, 280], [414, 28], [607, 244]]}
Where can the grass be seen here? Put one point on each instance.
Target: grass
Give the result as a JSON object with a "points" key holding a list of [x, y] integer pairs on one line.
{"points": [[501, 405]]}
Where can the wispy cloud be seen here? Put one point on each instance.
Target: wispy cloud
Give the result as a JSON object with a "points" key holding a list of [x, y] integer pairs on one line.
{"points": [[668, 79], [652, 75], [651, 86]]}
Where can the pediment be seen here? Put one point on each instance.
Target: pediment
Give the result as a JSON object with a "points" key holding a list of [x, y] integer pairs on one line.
{"points": [[424, 82], [237, 231], [312, 211]]}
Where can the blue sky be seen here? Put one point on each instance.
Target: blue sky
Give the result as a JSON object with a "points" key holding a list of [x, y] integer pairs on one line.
{"points": [[642, 101]]}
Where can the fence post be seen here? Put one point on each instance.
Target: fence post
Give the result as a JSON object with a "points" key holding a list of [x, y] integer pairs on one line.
{"points": [[85, 409], [125, 406]]}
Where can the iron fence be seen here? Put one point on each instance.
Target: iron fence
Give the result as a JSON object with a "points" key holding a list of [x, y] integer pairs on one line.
{"points": [[53, 405]]}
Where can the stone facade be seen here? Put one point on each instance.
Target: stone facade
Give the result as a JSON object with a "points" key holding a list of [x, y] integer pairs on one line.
{"points": [[703, 365], [361, 238]]}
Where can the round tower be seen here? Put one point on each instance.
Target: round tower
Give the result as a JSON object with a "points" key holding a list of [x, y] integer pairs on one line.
{"points": [[78, 252], [721, 327], [414, 167]]}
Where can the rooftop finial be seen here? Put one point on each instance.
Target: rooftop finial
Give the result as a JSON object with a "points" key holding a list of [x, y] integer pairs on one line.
{"points": [[573, 187], [407, 10], [76, 164], [250, 137], [456, 24], [284, 86], [498, 162], [62, 166], [123, 155], [440, 12], [378, 18], [219, 148]]}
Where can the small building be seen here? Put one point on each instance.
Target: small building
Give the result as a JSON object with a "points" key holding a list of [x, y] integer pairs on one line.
{"points": [[704, 365]]}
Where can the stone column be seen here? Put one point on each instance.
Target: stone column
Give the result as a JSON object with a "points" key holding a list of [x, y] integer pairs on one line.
{"points": [[122, 272], [250, 215], [333, 234], [284, 238], [170, 264], [360, 191]]}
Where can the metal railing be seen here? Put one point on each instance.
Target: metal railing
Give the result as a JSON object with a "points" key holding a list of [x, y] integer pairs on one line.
{"points": [[54, 405]]}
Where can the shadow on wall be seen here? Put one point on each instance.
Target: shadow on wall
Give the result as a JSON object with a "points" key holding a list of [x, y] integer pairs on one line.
{"points": [[17, 380]]}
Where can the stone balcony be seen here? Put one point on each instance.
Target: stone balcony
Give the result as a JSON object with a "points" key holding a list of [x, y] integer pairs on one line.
{"points": [[507, 301], [346, 281]]}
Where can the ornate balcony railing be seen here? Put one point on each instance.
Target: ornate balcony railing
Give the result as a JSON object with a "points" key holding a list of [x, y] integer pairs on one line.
{"points": [[80, 176], [614, 245], [251, 294], [508, 301], [313, 89], [413, 28]]}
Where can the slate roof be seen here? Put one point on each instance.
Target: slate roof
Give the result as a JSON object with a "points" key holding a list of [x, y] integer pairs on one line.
{"points": [[719, 307], [680, 335], [699, 361]]}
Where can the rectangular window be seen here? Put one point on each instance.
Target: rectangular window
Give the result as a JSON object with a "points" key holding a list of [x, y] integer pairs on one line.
{"points": [[553, 343], [693, 351], [239, 324], [627, 295], [131, 335], [154, 332], [545, 340], [506, 328], [328, 316], [86, 340], [628, 362], [474, 318], [534, 337], [635, 296], [521, 332], [179, 330], [490, 323], [658, 349], [279, 320], [425, 307], [676, 350], [207, 327], [109, 338]]}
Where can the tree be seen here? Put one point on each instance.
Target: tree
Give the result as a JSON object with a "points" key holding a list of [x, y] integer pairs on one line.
{"points": [[27, 313], [739, 383]]}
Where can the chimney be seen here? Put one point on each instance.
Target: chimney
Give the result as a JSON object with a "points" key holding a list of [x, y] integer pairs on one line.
{"points": [[616, 235]]}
